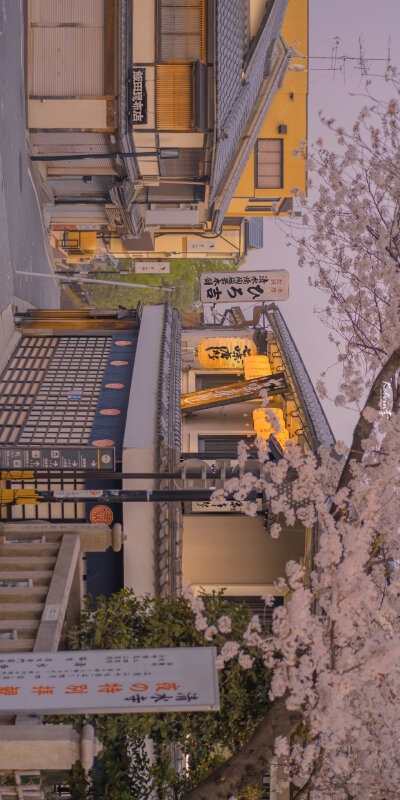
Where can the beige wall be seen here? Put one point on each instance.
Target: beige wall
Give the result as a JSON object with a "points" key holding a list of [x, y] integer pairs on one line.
{"points": [[233, 549], [257, 11], [67, 114], [181, 139], [143, 38]]}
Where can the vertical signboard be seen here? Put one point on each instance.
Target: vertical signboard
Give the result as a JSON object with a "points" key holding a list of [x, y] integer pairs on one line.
{"points": [[244, 287]]}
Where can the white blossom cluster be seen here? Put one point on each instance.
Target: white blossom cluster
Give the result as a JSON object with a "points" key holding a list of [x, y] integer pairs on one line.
{"points": [[334, 650], [350, 238]]}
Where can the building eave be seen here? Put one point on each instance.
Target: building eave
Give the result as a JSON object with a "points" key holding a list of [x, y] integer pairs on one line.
{"points": [[234, 169], [314, 415]]}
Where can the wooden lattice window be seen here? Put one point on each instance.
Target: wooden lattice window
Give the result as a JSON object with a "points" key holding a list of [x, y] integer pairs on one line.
{"points": [[174, 97], [181, 27], [269, 164], [65, 405], [20, 383]]}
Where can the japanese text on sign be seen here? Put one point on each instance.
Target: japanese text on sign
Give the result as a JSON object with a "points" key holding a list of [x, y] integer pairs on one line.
{"points": [[38, 457], [110, 681], [137, 99], [244, 287]]}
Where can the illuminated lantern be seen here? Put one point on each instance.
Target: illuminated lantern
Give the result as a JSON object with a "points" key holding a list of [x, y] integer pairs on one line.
{"points": [[264, 427], [256, 367], [225, 352]]}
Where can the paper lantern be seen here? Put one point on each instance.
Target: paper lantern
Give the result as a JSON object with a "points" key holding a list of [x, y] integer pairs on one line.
{"points": [[256, 367], [225, 352], [264, 426]]}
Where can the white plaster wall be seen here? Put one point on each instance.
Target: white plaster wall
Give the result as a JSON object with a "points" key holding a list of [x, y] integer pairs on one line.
{"points": [[139, 451]]}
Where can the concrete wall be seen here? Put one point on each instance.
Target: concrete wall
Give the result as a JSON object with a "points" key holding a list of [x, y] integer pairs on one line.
{"points": [[139, 453], [143, 38]]}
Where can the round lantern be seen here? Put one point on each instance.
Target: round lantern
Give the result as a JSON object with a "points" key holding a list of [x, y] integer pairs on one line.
{"points": [[256, 367], [225, 352]]}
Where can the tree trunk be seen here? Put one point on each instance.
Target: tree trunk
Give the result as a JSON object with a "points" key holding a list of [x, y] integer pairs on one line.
{"points": [[247, 766], [363, 427]]}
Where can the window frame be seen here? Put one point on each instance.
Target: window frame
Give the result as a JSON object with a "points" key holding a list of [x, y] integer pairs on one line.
{"points": [[256, 162]]}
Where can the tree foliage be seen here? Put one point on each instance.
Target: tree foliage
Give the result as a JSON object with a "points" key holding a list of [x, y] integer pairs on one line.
{"points": [[183, 276], [334, 652], [351, 241], [124, 771]]}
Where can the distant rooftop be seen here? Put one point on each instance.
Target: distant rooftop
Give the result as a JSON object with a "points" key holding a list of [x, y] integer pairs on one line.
{"points": [[242, 102]]}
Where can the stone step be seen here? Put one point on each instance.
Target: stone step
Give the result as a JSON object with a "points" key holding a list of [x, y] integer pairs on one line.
{"points": [[26, 625], [22, 793], [22, 594], [17, 645], [28, 610], [39, 577], [31, 564], [29, 549]]}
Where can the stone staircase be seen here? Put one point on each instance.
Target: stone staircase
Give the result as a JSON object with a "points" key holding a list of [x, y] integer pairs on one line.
{"points": [[26, 569]]}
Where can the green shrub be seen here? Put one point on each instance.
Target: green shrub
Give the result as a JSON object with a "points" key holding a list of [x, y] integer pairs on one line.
{"points": [[205, 738]]}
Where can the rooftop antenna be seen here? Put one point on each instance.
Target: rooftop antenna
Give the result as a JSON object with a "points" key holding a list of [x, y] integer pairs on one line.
{"points": [[335, 56], [388, 61], [363, 64]]}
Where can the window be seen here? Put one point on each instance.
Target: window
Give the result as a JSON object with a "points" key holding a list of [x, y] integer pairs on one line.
{"points": [[269, 164], [181, 25], [224, 445], [190, 164], [174, 97], [256, 605], [209, 380]]}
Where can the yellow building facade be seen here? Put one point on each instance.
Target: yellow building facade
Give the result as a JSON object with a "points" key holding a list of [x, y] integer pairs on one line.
{"points": [[283, 133]]}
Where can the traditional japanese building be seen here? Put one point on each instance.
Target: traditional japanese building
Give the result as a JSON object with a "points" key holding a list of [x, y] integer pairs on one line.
{"points": [[117, 400], [180, 119], [105, 382], [224, 371]]}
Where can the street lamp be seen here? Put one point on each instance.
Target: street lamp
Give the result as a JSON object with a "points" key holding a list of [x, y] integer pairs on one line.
{"points": [[162, 152]]}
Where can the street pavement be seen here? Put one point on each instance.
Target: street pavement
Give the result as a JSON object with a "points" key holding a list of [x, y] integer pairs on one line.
{"points": [[23, 242]]}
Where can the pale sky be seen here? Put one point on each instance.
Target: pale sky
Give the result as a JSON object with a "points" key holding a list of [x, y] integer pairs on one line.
{"points": [[337, 94]]}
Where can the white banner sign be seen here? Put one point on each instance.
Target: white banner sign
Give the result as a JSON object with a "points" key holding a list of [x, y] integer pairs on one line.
{"points": [[110, 681], [244, 287], [152, 266]]}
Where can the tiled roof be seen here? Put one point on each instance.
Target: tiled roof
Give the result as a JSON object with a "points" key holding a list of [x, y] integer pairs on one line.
{"points": [[237, 94], [314, 413], [231, 23]]}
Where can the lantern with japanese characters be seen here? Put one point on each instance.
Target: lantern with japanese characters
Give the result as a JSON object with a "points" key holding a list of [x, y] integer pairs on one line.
{"points": [[225, 352], [266, 421], [256, 367]]}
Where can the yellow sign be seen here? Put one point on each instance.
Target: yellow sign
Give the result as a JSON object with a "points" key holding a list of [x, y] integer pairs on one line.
{"points": [[256, 367], [233, 392], [225, 352]]}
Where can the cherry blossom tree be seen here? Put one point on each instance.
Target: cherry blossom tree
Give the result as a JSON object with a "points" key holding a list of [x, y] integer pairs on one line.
{"points": [[334, 648], [351, 240]]}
